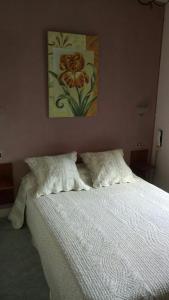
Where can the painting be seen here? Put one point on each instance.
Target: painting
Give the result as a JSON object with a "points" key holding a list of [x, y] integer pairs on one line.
{"points": [[72, 74]]}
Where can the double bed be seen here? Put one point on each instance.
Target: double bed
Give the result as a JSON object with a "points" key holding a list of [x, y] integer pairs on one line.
{"points": [[106, 243]]}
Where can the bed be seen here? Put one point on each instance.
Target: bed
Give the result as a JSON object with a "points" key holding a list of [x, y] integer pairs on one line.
{"points": [[106, 243]]}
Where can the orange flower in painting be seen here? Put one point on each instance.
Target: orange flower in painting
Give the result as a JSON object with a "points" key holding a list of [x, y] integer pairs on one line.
{"points": [[72, 66]]}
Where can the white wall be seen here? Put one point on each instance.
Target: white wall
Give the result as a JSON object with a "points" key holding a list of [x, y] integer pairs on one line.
{"points": [[162, 113]]}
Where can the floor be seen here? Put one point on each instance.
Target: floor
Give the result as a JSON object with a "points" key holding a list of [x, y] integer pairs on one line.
{"points": [[21, 275]]}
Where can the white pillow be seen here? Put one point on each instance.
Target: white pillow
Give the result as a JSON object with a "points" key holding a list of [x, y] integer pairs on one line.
{"points": [[107, 167], [84, 173], [56, 173]]}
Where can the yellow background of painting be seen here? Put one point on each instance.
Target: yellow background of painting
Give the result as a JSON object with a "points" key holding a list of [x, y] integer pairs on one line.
{"points": [[92, 43]]}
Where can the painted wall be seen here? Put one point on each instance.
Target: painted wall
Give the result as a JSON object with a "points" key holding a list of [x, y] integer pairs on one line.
{"points": [[130, 41], [162, 114]]}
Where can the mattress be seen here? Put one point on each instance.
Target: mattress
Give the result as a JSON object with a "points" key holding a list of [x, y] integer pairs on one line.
{"points": [[109, 243]]}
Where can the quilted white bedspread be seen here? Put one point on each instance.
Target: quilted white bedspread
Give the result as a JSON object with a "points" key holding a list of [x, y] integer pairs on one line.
{"points": [[115, 239]]}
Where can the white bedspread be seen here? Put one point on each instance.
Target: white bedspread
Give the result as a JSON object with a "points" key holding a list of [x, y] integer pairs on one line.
{"points": [[115, 239]]}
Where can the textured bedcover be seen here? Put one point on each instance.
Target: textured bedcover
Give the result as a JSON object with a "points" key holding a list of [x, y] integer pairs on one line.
{"points": [[114, 241], [60, 279]]}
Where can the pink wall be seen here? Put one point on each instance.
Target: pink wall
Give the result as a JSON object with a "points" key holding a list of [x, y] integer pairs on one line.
{"points": [[130, 41], [160, 155]]}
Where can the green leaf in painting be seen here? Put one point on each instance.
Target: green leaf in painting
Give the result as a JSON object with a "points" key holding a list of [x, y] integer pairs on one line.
{"points": [[65, 40], [88, 106], [51, 44], [53, 74], [58, 40], [68, 45]]}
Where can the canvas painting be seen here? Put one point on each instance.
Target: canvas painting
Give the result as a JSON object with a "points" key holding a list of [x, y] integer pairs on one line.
{"points": [[72, 74]]}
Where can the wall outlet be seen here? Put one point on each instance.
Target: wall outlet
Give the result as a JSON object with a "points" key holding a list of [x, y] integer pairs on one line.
{"points": [[140, 145]]}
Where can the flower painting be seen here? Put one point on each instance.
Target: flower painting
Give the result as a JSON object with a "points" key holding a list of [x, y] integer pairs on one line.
{"points": [[72, 74]]}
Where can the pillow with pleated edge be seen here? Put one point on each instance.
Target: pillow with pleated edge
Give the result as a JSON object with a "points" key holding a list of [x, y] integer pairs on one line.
{"points": [[84, 174], [107, 167], [55, 174]]}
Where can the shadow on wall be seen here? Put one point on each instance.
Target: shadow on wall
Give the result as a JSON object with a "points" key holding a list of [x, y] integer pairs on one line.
{"points": [[161, 178]]}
